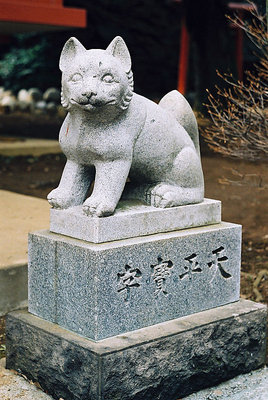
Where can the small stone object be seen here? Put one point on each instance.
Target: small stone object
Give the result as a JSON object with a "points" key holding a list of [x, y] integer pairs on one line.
{"points": [[8, 102], [51, 108], [2, 91], [52, 94], [35, 94], [23, 95], [24, 100], [41, 106], [111, 133]]}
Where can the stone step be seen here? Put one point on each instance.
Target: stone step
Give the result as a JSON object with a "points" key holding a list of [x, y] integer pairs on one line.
{"points": [[19, 215], [29, 147]]}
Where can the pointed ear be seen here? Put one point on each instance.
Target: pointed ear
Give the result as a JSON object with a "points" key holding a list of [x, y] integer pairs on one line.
{"points": [[70, 50], [118, 49]]}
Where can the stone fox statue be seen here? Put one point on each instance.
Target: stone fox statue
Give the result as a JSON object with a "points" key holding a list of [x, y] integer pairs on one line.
{"points": [[111, 133]]}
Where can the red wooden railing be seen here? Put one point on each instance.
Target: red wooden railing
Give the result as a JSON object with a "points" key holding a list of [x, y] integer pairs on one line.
{"points": [[43, 12], [237, 8]]}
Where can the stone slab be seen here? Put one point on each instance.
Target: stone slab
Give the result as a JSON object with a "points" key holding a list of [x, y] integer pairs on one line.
{"points": [[131, 219], [19, 214], [13, 288], [163, 362], [27, 146], [102, 290]]}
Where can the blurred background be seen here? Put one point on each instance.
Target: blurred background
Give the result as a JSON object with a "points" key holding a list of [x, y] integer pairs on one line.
{"points": [[173, 43]]}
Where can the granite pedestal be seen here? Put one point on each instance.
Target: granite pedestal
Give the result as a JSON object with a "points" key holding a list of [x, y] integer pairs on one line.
{"points": [[102, 290], [163, 362], [156, 316]]}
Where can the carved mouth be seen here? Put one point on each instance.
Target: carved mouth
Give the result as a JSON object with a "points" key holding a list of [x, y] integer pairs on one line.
{"points": [[82, 102], [96, 104]]}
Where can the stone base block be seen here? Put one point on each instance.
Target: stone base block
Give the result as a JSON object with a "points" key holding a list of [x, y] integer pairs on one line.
{"points": [[163, 362], [131, 219], [106, 289]]}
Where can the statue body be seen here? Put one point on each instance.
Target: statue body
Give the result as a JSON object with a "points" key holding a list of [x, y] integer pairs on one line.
{"points": [[111, 133]]}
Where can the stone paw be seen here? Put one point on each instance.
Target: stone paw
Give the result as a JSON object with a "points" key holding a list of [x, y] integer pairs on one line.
{"points": [[58, 199], [98, 208], [164, 196]]}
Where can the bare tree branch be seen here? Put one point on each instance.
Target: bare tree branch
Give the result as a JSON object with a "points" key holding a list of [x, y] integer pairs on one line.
{"points": [[239, 113]]}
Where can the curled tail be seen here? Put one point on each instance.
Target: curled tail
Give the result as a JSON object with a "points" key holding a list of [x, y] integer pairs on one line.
{"points": [[176, 103]]}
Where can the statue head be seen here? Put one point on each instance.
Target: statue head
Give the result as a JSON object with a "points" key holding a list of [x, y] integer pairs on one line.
{"points": [[96, 80]]}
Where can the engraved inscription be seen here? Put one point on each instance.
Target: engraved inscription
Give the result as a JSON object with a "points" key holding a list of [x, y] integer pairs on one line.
{"points": [[131, 277], [161, 272], [128, 279], [217, 261], [192, 267]]}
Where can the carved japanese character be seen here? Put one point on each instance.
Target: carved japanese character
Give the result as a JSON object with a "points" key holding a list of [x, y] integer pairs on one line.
{"points": [[128, 279], [217, 261], [192, 268], [161, 272]]}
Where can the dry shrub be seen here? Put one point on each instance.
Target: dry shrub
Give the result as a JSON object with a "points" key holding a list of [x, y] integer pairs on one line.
{"points": [[239, 113]]}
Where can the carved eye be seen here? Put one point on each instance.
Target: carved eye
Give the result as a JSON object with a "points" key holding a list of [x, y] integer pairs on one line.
{"points": [[108, 78], [76, 78]]}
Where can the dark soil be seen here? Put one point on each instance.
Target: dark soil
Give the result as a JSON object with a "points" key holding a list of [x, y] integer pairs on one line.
{"points": [[23, 124]]}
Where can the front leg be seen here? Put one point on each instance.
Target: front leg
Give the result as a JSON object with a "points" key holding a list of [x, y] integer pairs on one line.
{"points": [[73, 187], [110, 180]]}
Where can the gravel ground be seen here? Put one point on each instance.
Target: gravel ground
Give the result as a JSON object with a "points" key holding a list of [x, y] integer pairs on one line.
{"points": [[252, 386], [15, 387]]}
